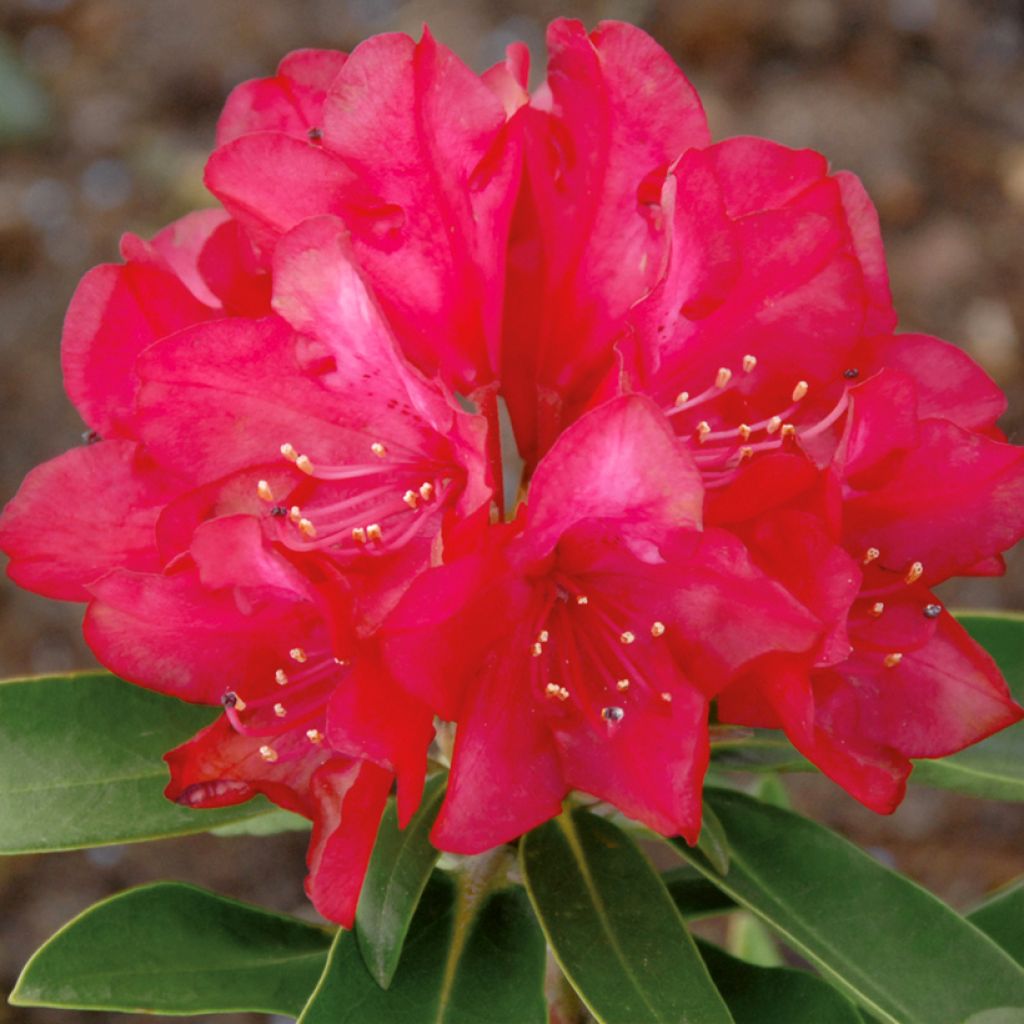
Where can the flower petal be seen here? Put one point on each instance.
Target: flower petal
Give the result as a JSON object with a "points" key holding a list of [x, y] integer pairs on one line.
{"points": [[83, 513]]}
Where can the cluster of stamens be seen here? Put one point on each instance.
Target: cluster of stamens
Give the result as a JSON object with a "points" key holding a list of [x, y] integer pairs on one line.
{"points": [[597, 639], [721, 451], [908, 577], [305, 690], [342, 522]]}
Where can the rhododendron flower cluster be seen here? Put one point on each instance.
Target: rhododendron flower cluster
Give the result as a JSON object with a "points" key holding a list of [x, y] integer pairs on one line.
{"points": [[538, 413]]}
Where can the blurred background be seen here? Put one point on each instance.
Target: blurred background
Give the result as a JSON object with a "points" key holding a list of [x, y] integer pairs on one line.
{"points": [[107, 112]]}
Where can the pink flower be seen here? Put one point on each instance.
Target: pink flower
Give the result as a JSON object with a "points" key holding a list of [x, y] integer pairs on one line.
{"points": [[738, 484]]}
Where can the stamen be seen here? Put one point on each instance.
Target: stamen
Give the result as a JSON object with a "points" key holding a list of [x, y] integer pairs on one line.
{"points": [[563, 693], [426, 490], [788, 430], [723, 377], [932, 611], [892, 660], [537, 650], [314, 736], [378, 449], [374, 532], [666, 696], [307, 528], [582, 599], [703, 429], [622, 685], [298, 654], [295, 514], [627, 637], [870, 555], [657, 628], [749, 363], [800, 391], [877, 608], [280, 711], [682, 398], [304, 463], [543, 636], [773, 424], [744, 431], [914, 573], [264, 491], [289, 452], [411, 498], [746, 452], [281, 677], [552, 689], [359, 535], [268, 753], [612, 714]]}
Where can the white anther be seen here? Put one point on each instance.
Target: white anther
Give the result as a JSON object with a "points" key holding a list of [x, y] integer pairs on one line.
{"points": [[773, 424], [314, 736], [264, 491], [359, 535], [298, 654], [723, 377], [268, 753], [870, 555], [800, 391], [281, 677], [682, 398], [411, 498], [626, 637], [307, 528], [304, 463], [280, 710], [892, 660], [374, 532], [378, 449], [749, 363], [289, 452], [657, 628]]}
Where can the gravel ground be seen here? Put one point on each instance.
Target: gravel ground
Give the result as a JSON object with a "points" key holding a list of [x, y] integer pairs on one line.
{"points": [[107, 110]]}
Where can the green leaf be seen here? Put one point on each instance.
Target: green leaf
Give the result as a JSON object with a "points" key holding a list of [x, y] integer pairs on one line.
{"points": [[81, 764], [474, 955], [993, 768], [775, 995], [271, 823], [174, 949], [694, 896], [613, 926], [896, 949], [400, 867], [1002, 918], [713, 843], [750, 940]]}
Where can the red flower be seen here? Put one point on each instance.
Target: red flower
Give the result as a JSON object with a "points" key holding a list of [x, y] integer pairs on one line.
{"points": [[738, 484], [578, 648]]}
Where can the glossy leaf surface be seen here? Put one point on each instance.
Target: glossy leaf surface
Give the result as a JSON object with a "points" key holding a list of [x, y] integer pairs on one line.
{"points": [[901, 953], [613, 926], [174, 949], [470, 958], [775, 995], [399, 869], [81, 764], [1002, 918]]}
